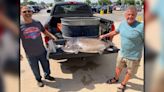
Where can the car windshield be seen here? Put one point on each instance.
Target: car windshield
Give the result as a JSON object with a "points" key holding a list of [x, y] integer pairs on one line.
{"points": [[72, 9]]}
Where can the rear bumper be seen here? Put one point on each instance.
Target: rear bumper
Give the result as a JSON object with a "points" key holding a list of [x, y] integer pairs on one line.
{"points": [[64, 55], [60, 54]]}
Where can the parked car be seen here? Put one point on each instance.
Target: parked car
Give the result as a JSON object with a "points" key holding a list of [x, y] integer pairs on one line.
{"points": [[139, 8], [118, 8], [98, 8], [107, 8], [94, 10], [31, 8], [36, 8]]}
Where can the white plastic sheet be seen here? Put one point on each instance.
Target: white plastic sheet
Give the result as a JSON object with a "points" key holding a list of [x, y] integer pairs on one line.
{"points": [[51, 48]]}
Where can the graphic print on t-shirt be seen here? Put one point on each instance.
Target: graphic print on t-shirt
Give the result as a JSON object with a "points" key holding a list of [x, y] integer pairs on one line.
{"points": [[31, 33]]}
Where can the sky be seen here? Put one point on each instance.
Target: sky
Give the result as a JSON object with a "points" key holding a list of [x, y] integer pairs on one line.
{"points": [[51, 1]]}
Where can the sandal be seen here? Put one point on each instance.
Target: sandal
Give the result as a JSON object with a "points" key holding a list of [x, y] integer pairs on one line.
{"points": [[122, 89], [112, 81]]}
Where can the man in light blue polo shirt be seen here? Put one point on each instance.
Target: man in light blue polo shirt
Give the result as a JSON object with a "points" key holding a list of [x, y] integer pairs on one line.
{"points": [[132, 42], [157, 12]]}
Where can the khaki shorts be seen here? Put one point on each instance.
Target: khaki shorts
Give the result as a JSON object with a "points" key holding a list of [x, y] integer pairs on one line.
{"points": [[131, 65]]}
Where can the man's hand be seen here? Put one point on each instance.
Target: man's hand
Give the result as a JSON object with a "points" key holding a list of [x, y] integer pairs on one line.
{"points": [[101, 37], [110, 34], [54, 38], [51, 36]]}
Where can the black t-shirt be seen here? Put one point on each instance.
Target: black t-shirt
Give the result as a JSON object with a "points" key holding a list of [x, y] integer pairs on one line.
{"points": [[31, 38]]}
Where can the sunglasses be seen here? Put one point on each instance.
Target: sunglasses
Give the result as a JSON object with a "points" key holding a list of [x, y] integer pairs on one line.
{"points": [[27, 11]]}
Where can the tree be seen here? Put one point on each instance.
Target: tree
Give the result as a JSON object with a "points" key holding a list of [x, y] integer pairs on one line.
{"points": [[100, 2], [32, 2], [129, 2], [142, 1], [118, 2], [88, 2], [24, 3], [43, 3], [50, 4], [94, 4], [138, 2], [104, 2]]}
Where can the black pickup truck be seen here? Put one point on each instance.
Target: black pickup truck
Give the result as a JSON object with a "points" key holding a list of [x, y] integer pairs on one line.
{"points": [[75, 11]]}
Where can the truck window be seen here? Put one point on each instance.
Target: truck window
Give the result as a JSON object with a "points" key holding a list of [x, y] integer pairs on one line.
{"points": [[72, 9]]}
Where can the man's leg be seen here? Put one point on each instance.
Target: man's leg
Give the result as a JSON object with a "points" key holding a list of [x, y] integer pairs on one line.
{"points": [[132, 67], [127, 77], [118, 72], [46, 66], [34, 64], [119, 66]]}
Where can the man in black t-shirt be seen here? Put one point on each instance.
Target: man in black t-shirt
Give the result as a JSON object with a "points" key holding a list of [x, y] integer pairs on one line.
{"points": [[30, 34]]}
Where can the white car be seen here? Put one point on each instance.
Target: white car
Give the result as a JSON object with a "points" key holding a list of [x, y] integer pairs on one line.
{"points": [[49, 8], [118, 8]]}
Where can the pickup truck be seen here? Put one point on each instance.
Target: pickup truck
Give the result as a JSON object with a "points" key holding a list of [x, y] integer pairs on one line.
{"points": [[75, 10]]}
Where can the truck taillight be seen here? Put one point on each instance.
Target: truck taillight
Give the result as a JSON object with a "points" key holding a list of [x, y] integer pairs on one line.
{"points": [[72, 2], [112, 27], [46, 39], [59, 27]]}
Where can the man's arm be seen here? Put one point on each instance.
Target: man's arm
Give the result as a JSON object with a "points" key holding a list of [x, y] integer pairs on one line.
{"points": [[47, 33], [51, 36], [110, 34]]}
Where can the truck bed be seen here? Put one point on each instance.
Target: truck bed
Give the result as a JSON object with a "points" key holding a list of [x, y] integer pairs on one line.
{"points": [[60, 54]]}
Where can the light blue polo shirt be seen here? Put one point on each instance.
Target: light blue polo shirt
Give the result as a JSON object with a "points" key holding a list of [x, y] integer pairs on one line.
{"points": [[159, 12], [132, 40]]}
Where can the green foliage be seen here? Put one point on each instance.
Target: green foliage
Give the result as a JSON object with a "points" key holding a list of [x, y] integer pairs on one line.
{"points": [[107, 2], [118, 2], [32, 3], [88, 2], [129, 2], [138, 2]]}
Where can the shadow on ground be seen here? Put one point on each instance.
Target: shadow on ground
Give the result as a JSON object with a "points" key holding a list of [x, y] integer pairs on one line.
{"points": [[86, 73]]}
